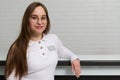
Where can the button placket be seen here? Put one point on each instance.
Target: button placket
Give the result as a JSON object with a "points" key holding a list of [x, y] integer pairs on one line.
{"points": [[41, 47]]}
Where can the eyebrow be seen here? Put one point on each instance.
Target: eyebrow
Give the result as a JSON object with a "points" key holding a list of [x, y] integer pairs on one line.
{"points": [[36, 15]]}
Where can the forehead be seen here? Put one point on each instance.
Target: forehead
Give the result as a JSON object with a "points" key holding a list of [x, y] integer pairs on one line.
{"points": [[39, 11]]}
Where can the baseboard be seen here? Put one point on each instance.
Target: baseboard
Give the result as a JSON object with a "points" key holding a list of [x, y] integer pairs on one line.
{"points": [[85, 77]]}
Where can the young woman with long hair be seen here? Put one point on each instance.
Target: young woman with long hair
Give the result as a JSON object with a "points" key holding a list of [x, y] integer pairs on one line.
{"points": [[34, 54]]}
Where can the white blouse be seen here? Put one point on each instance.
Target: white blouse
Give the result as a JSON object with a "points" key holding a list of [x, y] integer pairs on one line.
{"points": [[42, 58]]}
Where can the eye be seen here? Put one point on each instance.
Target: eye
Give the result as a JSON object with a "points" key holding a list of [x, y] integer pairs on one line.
{"points": [[43, 18], [34, 17]]}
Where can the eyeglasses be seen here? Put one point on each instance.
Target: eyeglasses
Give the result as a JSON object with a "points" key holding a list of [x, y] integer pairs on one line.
{"points": [[35, 18]]}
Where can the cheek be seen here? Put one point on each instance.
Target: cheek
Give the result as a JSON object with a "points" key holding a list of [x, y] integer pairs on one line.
{"points": [[31, 24], [45, 23]]}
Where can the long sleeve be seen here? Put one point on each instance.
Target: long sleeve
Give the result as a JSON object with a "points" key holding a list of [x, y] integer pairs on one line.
{"points": [[64, 52]]}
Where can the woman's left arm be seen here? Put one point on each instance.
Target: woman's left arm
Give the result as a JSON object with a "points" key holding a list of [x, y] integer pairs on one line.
{"points": [[63, 52]]}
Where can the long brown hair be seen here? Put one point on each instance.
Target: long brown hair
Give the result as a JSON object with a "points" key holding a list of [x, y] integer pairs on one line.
{"points": [[16, 57]]}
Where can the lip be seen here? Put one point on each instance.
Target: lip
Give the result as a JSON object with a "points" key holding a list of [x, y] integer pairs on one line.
{"points": [[38, 27]]}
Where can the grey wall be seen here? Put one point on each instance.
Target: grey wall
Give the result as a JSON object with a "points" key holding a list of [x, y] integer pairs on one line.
{"points": [[87, 27]]}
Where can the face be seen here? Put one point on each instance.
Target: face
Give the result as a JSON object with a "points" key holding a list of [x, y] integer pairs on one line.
{"points": [[38, 21]]}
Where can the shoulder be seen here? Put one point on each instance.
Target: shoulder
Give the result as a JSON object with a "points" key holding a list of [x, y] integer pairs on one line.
{"points": [[53, 36]]}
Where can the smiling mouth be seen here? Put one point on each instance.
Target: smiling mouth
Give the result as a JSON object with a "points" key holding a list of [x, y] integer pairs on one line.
{"points": [[39, 27]]}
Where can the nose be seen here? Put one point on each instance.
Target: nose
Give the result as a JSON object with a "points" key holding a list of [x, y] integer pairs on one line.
{"points": [[39, 21]]}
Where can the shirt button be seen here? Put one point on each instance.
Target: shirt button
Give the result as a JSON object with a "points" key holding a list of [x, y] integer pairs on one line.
{"points": [[41, 47], [39, 42], [43, 53]]}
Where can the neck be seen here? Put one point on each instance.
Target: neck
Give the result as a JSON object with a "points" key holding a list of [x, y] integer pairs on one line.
{"points": [[36, 37]]}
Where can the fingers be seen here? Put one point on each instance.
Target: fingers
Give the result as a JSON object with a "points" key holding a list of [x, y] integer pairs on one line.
{"points": [[77, 72], [76, 68], [72, 68]]}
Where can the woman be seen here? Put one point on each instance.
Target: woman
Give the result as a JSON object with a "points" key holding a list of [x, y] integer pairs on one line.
{"points": [[34, 54]]}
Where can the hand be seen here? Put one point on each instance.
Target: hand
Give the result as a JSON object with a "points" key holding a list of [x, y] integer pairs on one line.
{"points": [[76, 68]]}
